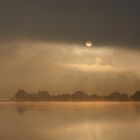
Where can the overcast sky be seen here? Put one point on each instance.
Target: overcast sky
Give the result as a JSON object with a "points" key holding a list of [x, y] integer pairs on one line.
{"points": [[42, 46], [105, 22]]}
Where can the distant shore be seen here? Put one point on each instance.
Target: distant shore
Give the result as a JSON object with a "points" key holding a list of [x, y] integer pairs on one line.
{"points": [[78, 96]]}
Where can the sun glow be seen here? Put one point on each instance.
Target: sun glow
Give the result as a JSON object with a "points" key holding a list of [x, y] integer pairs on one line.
{"points": [[89, 44]]}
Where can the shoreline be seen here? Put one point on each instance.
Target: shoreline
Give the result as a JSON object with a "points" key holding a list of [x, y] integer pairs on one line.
{"points": [[130, 101]]}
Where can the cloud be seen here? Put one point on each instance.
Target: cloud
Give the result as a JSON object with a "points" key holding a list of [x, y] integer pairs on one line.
{"points": [[70, 21]]}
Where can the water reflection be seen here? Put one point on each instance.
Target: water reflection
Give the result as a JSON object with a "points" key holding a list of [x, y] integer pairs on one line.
{"points": [[66, 121]]}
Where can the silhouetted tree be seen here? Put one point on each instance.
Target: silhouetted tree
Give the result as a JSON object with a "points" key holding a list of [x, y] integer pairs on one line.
{"points": [[136, 96], [79, 95], [21, 95], [43, 95]]}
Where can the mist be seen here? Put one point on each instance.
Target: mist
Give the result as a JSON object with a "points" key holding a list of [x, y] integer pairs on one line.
{"points": [[61, 67]]}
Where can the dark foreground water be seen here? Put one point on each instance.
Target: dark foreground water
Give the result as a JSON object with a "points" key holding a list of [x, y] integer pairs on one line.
{"points": [[69, 121]]}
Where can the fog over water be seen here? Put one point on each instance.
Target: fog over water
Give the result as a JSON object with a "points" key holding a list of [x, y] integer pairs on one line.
{"points": [[71, 120]]}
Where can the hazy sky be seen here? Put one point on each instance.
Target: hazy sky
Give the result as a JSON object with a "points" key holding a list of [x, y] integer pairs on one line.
{"points": [[42, 46]]}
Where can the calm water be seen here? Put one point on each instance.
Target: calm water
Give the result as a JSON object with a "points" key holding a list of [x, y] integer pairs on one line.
{"points": [[69, 121]]}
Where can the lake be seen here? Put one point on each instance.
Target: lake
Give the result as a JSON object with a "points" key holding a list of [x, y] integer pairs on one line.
{"points": [[69, 121]]}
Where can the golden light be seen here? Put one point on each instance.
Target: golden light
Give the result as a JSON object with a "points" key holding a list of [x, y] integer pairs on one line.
{"points": [[88, 44]]}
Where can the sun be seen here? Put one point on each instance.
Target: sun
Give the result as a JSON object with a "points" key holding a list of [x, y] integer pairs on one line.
{"points": [[88, 44]]}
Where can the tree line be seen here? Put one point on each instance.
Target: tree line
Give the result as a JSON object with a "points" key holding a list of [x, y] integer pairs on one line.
{"points": [[22, 95]]}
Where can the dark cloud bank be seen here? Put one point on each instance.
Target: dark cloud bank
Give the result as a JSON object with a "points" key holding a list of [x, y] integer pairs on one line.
{"points": [[105, 22]]}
